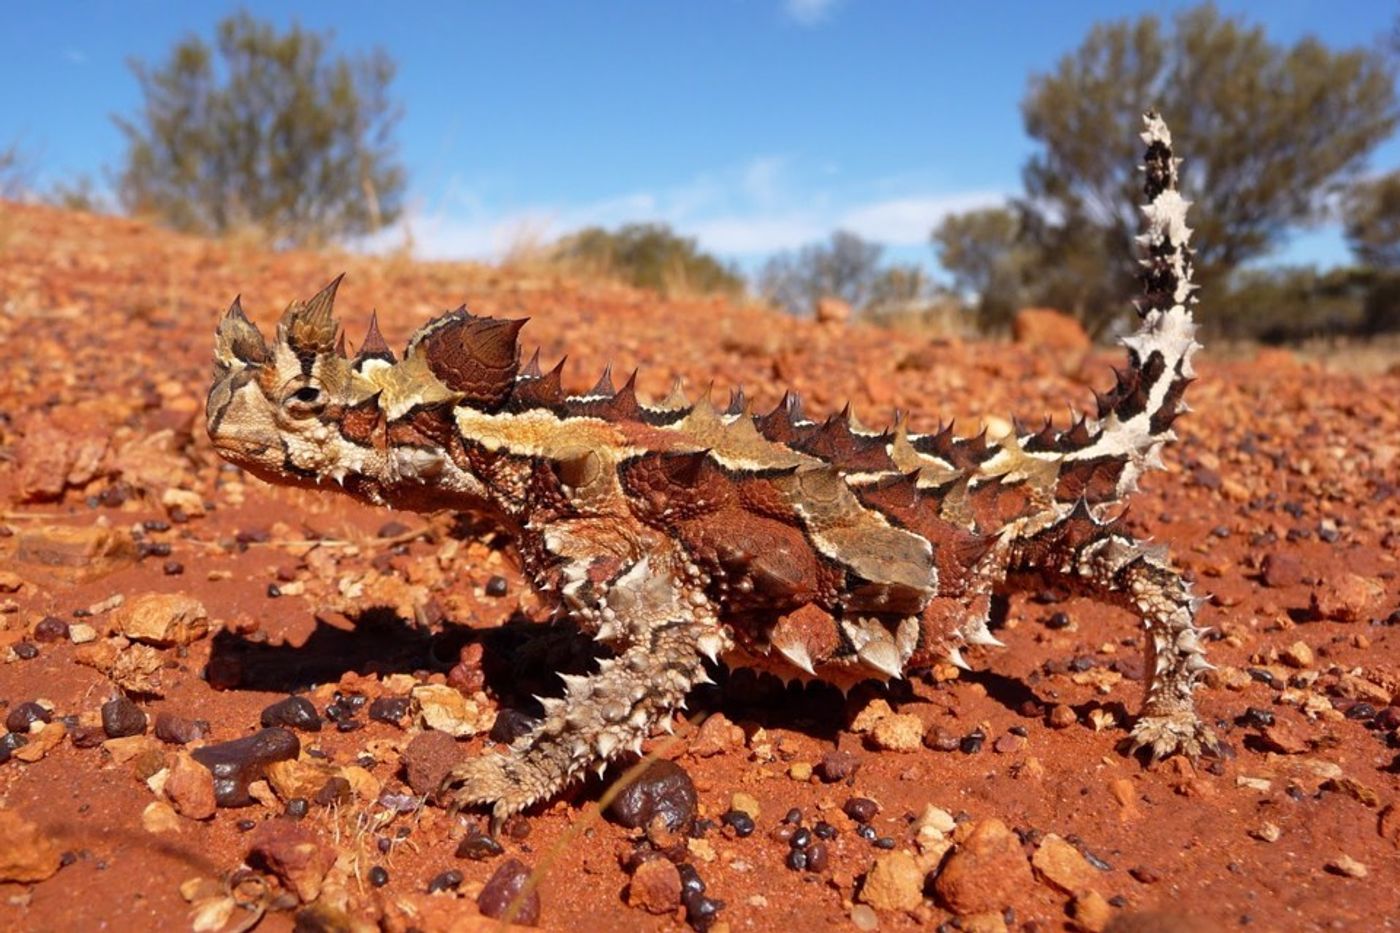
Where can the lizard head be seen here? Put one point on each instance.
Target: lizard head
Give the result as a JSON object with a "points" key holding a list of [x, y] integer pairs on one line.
{"points": [[299, 410]]}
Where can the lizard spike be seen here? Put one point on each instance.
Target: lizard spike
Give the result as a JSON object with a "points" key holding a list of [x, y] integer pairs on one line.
{"points": [[737, 402], [636, 745], [676, 398], [710, 645], [532, 369], [600, 768], [797, 655], [881, 655], [956, 659], [979, 634], [575, 683], [607, 744], [605, 383]]}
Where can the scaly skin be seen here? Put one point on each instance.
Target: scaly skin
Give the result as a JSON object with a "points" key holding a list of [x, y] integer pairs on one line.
{"points": [[676, 532]]}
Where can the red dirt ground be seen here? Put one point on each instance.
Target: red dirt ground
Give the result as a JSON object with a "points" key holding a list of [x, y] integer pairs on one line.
{"points": [[1282, 499]]}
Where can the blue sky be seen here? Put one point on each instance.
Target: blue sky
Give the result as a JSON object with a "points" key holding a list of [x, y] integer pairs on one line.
{"points": [[754, 125]]}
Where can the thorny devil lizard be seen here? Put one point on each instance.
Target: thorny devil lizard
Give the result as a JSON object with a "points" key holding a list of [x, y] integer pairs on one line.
{"points": [[675, 532]]}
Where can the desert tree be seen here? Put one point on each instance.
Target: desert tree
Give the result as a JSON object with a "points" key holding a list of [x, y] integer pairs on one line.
{"points": [[264, 129], [843, 266], [1271, 134]]}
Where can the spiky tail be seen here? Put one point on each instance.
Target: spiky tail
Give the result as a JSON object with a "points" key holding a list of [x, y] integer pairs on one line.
{"points": [[1135, 418]]}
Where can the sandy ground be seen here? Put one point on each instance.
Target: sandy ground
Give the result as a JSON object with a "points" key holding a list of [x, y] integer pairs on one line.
{"points": [[1011, 807]]}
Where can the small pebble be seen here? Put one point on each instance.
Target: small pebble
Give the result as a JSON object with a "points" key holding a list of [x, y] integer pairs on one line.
{"points": [[22, 715], [392, 710], [294, 713], [496, 586], [664, 790], [691, 882], [824, 830], [478, 846], [860, 809], [378, 876], [818, 857], [172, 568], [297, 807], [793, 817], [701, 912], [445, 881], [176, 730], [837, 766], [740, 822], [26, 651], [238, 763], [801, 839], [502, 894], [50, 629], [244, 826], [121, 717], [797, 859], [864, 918]]}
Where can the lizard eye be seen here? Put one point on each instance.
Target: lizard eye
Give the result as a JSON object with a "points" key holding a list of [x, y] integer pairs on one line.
{"points": [[304, 402]]}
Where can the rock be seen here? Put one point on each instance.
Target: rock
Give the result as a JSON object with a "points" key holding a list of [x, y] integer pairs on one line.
{"points": [[1347, 867], [1285, 737], [392, 710], [42, 742], [864, 918], [830, 310], [190, 788], [238, 763], [1299, 654], [478, 846], [26, 853], [501, 897], [76, 555], [715, 736], [900, 732], [1388, 824], [1062, 865], [427, 759], [986, 872], [294, 713], [160, 817], [176, 730], [293, 853], [894, 882], [655, 886], [1062, 716], [1348, 598], [874, 711], [136, 669], [24, 714], [121, 718], [1280, 568], [162, 619], [1090, 911], [837, 766], [933, 819], [663, 790], [446, 710], [744, 803], [1048, 329]]}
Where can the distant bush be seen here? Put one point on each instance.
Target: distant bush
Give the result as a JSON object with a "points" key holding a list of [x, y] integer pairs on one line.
{"points": [[267, 131], [1290, 304], [647, 255]]}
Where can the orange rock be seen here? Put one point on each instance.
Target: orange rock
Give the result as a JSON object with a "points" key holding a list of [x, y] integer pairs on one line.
{"points": [[190, 787], [1062, 865], [1349, 597], [294, 854], [1051, 330], [986, 872], [655, 887], [26, 854]]}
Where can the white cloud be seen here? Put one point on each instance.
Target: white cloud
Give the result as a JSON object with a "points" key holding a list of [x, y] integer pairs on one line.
{"points": [[764, 205], [809, 12]]}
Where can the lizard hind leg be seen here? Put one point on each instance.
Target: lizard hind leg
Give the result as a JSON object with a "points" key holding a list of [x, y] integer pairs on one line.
{"points": [[1103, 559]]}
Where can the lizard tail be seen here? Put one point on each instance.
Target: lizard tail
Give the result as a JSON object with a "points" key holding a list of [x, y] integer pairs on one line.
{"points": [[1135, 418]]}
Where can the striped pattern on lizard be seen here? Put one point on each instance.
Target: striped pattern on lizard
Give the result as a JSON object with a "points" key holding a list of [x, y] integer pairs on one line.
{"points": [[676, 532]]}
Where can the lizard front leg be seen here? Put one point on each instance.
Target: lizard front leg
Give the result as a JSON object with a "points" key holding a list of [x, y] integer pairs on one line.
{"points": [[668, 628]]}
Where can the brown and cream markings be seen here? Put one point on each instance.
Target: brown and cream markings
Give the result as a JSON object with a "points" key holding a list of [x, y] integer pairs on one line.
{"points": [[677, 532]]}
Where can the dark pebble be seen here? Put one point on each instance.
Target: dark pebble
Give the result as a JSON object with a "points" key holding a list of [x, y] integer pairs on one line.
{"points": [[238, 763], [1058, 620], [1388, 718], [884, 842], [121, 717], [801, 839], [392, 710], [378, 876], [26, 651], [172, 568], [793, 817], [510, 725], [298, 807], [664, 790], [349, 725], [244, 826], [86, 736], [516, 827], [1143, 874], [866, 832], [22, 715], [445, 881], [479, 847], [273, 591], [294, 713], [691, 882], [502, 892], [971, 744], [739, 821], [1094, 860], [9, 742], [1262, 676], [383, 844], [860, 809], [818, 857], [1361, 712], [156, 524], [176, 730], [335, 790], [837, 766], [701, 828], [50, 629], [783, 832], [824, 830], [351, 701], [1256, 716], [796, 859], [701, 911], [393, 529], [496, 586]]}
